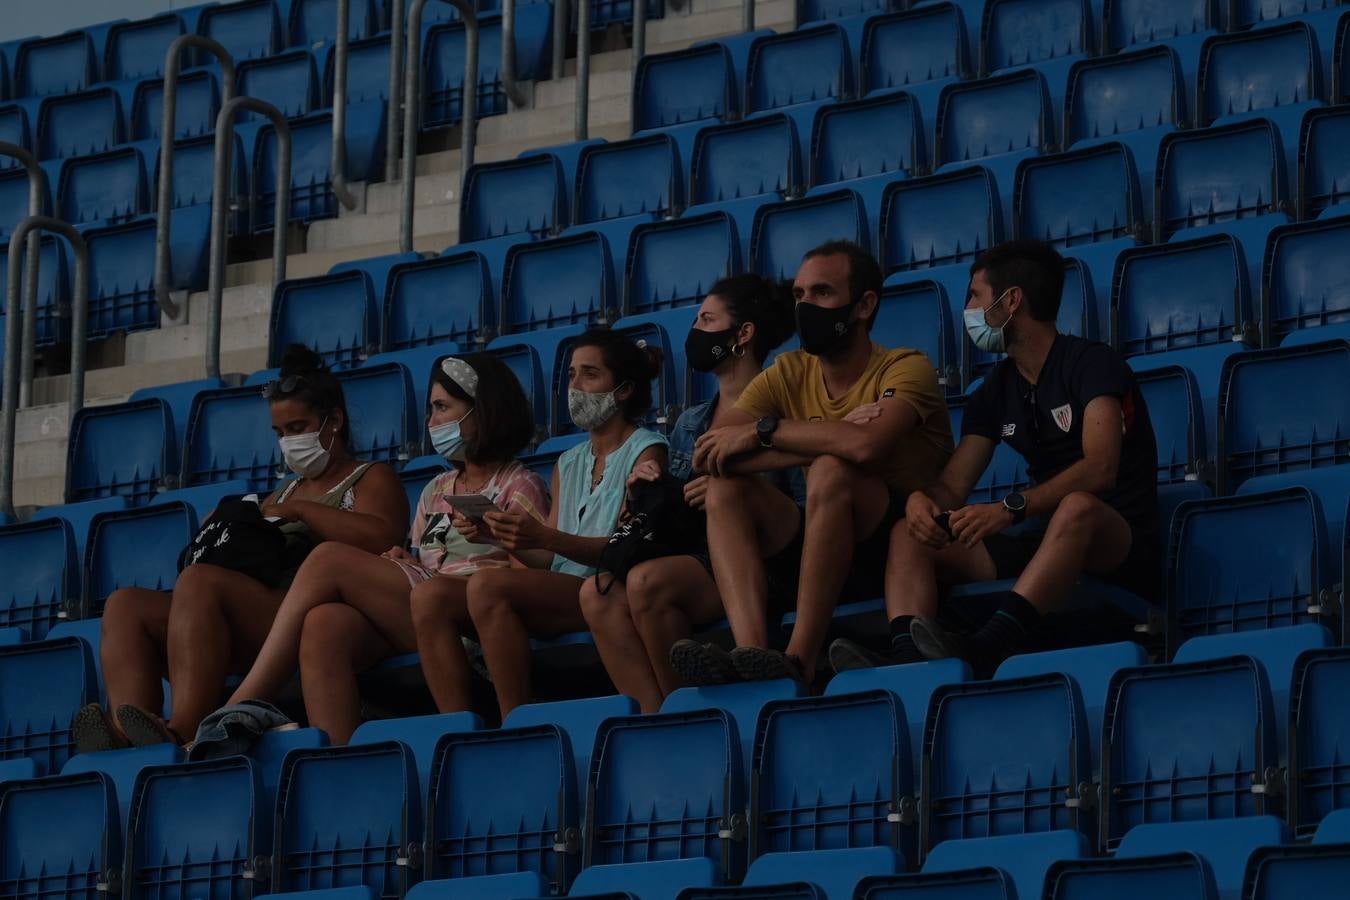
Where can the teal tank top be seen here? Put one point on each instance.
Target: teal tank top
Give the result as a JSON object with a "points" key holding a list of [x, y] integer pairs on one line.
{"points": [[593, 513]]}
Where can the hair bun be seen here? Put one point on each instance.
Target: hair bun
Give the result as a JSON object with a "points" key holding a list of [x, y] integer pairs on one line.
{"points": [[301, 360]]}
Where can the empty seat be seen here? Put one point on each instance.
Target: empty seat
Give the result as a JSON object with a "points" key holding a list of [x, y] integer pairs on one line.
{"points": [[333, 315], [135, 548], [42, 684], [1117, 95], [15, 129], [367, 69], [874, 136], [384, 414], [1026, 781], [561, 281], [1267, 70], [1219, 175], [194, 116], [347, 816], [684, 86], [1318, 739], [746, 159], [1307, 278], [288, 81], [1174, 875], [429, 302], [475, 829], [1227, 845], [820, 10], [522, 358], [62, 64], [579, 720], [1021, 859], [1274, 417], [312, 195], [108, 187], [628, 178], [785, 232], [200, 824], [1175, 410], [1323, 164], [914, 313], [229, 436], [61, 837], [833, 772], [1027, 32], [54, 289], [248, 30], [1254, 12], [137, 49], [1081, 197], [941, 220], [803, 66], [1130, 22], [122, 278], [1002, 114], [1186, 743], [314, 22], [525, 195], [443, 63], [41, 575], [920, 51], [674, 263], [79, 124], [193, 162], [1297, 873], [126, 449], [963, 884]]}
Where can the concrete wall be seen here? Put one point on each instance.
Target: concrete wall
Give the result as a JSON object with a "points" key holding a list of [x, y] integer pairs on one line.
{"points": [[22, 18]]}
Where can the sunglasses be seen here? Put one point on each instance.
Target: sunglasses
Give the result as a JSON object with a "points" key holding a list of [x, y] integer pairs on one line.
{"points": [[281, 387]]}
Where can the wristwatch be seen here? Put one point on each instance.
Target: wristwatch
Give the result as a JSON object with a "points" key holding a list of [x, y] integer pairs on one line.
{"points": [[1016, 504], [765, 428]]}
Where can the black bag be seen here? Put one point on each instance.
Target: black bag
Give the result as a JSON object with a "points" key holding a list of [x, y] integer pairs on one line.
{"points": [[658, 523], [239, 538]]}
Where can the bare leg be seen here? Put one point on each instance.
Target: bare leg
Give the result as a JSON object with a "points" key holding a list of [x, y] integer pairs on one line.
{"points": [[132, 649], [332, 573], [508, 606], [1084, 535], [914, 571], [667, 598], [440, 615], [748, 521], [337, 644], [611, 624]]}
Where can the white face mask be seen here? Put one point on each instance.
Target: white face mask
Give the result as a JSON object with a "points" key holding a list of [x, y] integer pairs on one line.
{"points": [[304, 454], [448, 440], [590, 411], [982, 334]]}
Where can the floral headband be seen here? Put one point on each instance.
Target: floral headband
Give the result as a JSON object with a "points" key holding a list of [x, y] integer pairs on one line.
{"points": [[462, 374]]}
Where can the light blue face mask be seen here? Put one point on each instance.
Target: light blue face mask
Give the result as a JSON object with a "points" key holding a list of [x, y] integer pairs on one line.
{"points": [[447, 439], [982, 334]]}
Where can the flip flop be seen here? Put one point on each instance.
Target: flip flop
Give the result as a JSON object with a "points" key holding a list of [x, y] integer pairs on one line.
{"points": [[92, 730], [145, 729]]}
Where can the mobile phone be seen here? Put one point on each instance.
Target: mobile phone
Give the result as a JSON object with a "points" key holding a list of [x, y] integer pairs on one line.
{"points": [[944, 522]]}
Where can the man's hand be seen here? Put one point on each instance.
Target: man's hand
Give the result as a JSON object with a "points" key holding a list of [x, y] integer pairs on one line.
{"points": [[696, 491], [715, 449], [920, 519], [863, 414], [516, 530], [647, 470], [972, 524]]}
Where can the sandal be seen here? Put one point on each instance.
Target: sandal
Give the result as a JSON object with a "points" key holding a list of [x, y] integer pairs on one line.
{"points": [[145, 729], [93, 732]]}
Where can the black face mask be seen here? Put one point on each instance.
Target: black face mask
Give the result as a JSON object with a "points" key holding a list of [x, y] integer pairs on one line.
{"points": [[822, 331], [706, 350]]}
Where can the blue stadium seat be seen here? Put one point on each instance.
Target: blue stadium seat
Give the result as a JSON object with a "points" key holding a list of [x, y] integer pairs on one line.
{"points": [[920, 51], [42, 684], [1297, 873], [333, 315], [1255, 12], [385, 421], [312, 195], [1319, 733], [647, 805], [742, 702], [822, 10], [125, 449], [942, 221], [808, 874], [14, 128], [42, 575], [525, 195], [443, 63], [60, 837], [578, 719], [522, 356], [1307, 283], [561, 281], [107, 187], [288, 81], [122, 277], [1173, 875], [198, 106], [55, 65], [229, 436], [432, 301], [963, 884], [1046, 35], [314, 22], [684, 86], [831, 773], [1182, 25], [122, 767], [54, 289], [136, 49], [367, 68], [1335, 828], [568, 156], [753, 158], [248, 29], [797, 71], [1080, 197], [674, 263], [1185, 743], [1024, 782], [179, 398], [135, 548], [1323, 171], [79, 124], [1003, 114], [474, 828], [915, 312], [784, 232], [348, 816], [662, 880], [204, 498], [1273, 416], [875, 137], [417, 474], [200, 824], [1177, 414], [420, 734], [1226, 845], [641, 176], [79, 515], [1023, 859], [192, 181]]}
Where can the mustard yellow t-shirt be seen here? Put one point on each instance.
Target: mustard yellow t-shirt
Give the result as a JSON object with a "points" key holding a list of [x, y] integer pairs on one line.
{"points": [[794, 388]]}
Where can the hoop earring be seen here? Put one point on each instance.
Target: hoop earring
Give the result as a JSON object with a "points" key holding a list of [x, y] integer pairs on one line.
{"points": [[738, 351]]}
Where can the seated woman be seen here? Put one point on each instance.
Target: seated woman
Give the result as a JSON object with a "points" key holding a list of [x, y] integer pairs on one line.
{"points": [[609, 387], [216, 619], [348, 607], [636, 621]]}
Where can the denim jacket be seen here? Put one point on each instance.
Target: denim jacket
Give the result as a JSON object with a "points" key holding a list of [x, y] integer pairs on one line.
{"points": [[691, 425]]}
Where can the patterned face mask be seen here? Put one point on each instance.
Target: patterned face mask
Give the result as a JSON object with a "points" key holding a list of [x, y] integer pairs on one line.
{"points": [[590, 411]]}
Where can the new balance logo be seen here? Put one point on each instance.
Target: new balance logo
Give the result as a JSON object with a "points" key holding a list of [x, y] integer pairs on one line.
{"points": [[1010, 429]]}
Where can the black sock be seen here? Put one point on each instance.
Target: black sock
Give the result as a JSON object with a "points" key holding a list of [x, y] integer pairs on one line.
{"points": [[902, 645], [1006, 628]]}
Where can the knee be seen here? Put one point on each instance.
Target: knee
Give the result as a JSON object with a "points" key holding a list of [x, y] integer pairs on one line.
{"points": [[647, 591], [597, 608], [905, 547], [723, 494], [489, 596], [427, 606], [325, 561], [119, 612], [197, 584], [828, 480], [1076, 514], [323, 634]]}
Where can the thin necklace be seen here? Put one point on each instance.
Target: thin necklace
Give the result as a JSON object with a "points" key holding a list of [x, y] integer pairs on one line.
{"points": [[479, 489]]}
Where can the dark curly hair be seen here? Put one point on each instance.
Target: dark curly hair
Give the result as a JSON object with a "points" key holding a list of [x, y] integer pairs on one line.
{"points": [[313, 384]]}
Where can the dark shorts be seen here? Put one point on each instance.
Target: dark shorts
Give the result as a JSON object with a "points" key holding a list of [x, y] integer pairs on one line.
{"points": [[1138, 574]]}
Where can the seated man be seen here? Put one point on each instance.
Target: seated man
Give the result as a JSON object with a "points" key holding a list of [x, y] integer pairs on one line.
{"points": [[858, 473], [1070, 407]]}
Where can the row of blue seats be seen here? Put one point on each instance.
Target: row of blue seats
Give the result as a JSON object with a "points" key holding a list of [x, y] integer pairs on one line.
{"points": [[1094, 744]]}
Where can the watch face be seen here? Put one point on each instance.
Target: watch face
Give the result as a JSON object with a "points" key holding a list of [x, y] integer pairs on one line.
{"points": [[1015, 502]]}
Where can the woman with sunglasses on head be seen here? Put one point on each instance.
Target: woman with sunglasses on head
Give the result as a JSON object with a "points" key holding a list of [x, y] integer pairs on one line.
{"points": [[348, 607], [216, 619], [609, 387], [637, 620]]}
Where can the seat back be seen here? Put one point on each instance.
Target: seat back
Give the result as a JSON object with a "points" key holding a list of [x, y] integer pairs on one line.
{"points": [[1129, 22], [561, 281], [1003, 114], [443, 67], [61, 837], [675, 263], [922, 45], [915, 314], [14, 129], [367, 70], [1022, 32], [62, 64], [230, 436], [314, 22], [1219, 175], [122, 278], [1307, 279], [511, 197], [1309, 871], [1318, 737], [333, 315], [193, 162], [940, 220], [137, 49], [41, 569], [108, 187], [1260, 69], [880, 135], [523, 361], [42, 684], [53, 292], [384, 418], [785, 232], [1252, 12], [745, 159], [312, 195], [135, 548], [248, 30], [195, 115], [1323, 169], [1174, 408], [289, 82], [127, 449], [1120, 94], [1173, 875], [445, 298], [627, 178], [803, 66], [689, 85], [1080, 197], [79, 124]]}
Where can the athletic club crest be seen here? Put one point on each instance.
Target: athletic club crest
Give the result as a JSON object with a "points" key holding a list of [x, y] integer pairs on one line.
{"points": [[1063, 417]]}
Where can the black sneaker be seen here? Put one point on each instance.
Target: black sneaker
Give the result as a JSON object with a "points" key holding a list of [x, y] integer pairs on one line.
{"points": [[702, 665], [846, 655], [936, 642], [758, 664]]}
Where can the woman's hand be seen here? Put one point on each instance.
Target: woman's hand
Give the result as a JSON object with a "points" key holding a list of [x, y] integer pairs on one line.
{"points": [[398, 554], [514, 531], [647, 470], [290, 511], [472, 530], [696, 492]]}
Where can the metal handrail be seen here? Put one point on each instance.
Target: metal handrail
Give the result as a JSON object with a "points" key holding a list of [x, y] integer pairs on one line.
{"points": [[36, 180], [639, 32], [515, 90], [747, 15], [581, 131], [560, 22], [412, 90], [395, 119], [168, 125], [9, 407], [338, 160], [220, 203]]}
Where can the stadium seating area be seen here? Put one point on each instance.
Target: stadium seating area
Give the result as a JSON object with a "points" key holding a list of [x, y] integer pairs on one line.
{"points": [[1190, 159]]}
